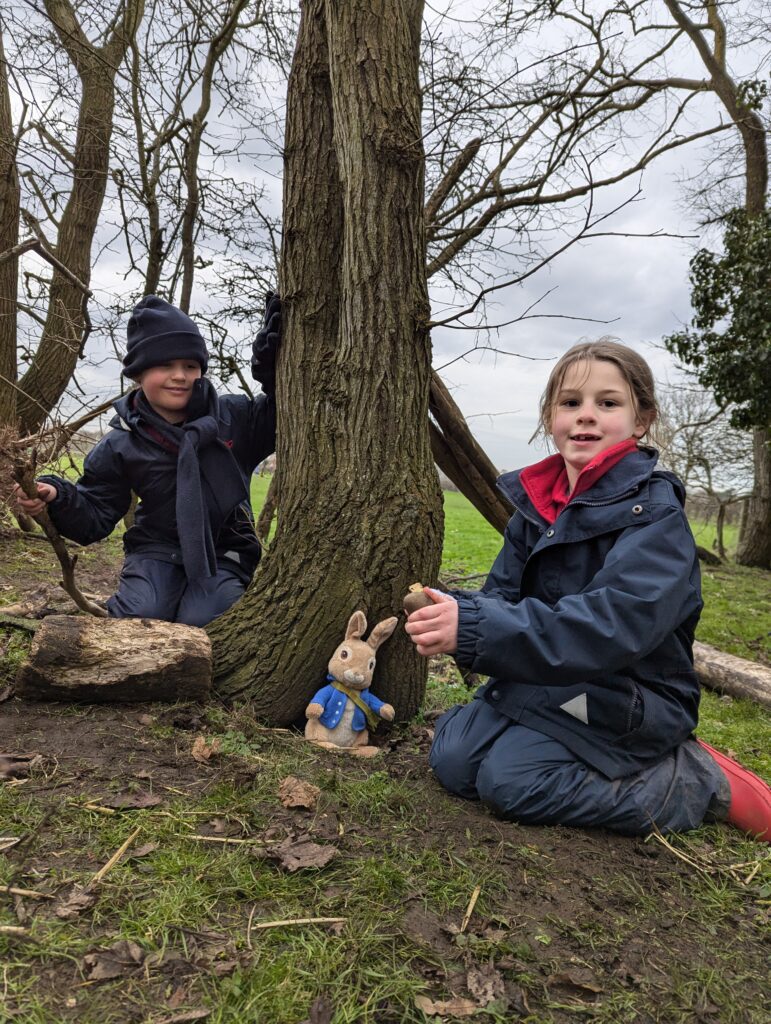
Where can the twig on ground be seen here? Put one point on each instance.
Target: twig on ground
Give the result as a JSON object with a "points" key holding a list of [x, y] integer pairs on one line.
{"points": [[113, 860], [32, 894], [470, 908], [98, 809], [249, 927], [12, 929], [226, 839], [263, 925]]}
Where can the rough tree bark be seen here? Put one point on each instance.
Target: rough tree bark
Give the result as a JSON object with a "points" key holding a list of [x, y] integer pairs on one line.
{"points": [[60, 342], [9, 237], [360, 516]]}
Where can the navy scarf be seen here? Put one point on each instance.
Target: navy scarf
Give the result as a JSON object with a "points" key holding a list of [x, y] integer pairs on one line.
{"points": [[201, 456]]}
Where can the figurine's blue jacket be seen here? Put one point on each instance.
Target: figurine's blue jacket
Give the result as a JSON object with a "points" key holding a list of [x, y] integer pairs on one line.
{"points": [[125, 460], [585, 626], [333, 701]]}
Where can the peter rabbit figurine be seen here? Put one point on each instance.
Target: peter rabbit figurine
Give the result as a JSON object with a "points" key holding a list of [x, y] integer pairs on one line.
{"points": [[339, 712]]}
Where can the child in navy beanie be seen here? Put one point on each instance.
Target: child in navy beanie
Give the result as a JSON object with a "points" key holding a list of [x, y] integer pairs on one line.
{"points": [[158, 333], [189, 455]]}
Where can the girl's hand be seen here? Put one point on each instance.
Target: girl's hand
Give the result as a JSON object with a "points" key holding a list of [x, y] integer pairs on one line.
{"points": [[434, 629], [34, 506]]}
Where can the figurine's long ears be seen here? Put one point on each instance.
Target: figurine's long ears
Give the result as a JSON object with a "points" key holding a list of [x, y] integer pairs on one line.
{"points": [[356, 626], [381, 632]]}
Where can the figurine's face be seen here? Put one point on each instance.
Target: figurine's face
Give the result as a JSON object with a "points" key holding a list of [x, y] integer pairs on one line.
{"points": [[353, 664]]}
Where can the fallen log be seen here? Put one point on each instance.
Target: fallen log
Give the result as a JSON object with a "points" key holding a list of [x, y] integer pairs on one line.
{"points": [[122, 660], [735, 676]]}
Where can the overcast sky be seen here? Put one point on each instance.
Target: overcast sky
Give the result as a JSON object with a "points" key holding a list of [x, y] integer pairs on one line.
{"points": [[639, 285]]}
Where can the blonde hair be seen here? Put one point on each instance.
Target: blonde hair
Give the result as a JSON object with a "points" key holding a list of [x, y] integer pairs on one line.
{"points": [[633, 369]]}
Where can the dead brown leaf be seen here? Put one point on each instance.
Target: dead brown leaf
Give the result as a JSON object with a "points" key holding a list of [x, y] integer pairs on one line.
{"points": [[132, 801], [117, 961], [294, 792], [222, 827], [456, 1007], [576, 978], [321, 1011], [204, 751], [296, 854], [186, 1016], [143, 851], [78, 900], [485, 984]]}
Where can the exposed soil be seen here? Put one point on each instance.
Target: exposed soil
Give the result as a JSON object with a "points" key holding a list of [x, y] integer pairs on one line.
{"points": [[584, 917]]}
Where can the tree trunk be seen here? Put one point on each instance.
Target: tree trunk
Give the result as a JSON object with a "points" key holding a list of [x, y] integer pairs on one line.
{"points": [[74, 658], [755, 536], [268, 510], [60, 343], [720, 530], [9, 236], [360, 516]]}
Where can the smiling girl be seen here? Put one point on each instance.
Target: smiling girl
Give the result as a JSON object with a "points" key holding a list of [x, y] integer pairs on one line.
{"points": [[585, 625]]}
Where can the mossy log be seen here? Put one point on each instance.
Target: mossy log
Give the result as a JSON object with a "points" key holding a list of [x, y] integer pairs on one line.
{"points": [[120, 660], [734, 676]]}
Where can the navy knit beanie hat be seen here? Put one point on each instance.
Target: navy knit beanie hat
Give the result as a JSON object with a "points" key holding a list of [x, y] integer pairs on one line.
{"points": [[158, 333]]}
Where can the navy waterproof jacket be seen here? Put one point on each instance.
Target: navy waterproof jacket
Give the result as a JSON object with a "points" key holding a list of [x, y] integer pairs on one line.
{"points": [[126, 460], [586, 625]]}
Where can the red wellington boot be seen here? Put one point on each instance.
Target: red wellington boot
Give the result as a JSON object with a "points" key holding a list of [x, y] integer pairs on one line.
{"points": [[750, 808]]}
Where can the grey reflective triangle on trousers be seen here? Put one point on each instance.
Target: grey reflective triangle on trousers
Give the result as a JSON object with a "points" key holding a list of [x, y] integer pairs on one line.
{"points": [[577, 708]]}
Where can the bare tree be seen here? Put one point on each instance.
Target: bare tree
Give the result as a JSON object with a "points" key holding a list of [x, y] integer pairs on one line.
{"points": [[68, 215], [710, 457]]}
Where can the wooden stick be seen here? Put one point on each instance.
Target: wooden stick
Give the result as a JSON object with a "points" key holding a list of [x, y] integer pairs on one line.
{"points": [[24, 475], [99, 809], [31, 893], [297, 920], [249, 927], [470, 908], [113, 860], [11, 929], [227, 839]]}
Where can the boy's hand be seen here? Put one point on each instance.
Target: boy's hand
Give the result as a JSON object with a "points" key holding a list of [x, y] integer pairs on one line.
{"points": [[434, 629], [46, 493], [266, 343]]}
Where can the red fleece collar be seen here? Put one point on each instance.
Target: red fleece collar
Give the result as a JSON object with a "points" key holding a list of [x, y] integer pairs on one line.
{"points": [[546, 483]]}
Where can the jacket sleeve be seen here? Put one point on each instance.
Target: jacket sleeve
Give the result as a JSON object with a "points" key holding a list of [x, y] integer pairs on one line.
{"points": [[645, 589], [254, 427], [88, 510]]}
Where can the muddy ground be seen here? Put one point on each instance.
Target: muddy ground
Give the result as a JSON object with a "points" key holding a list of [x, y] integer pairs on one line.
{"points": [[585, 926]]}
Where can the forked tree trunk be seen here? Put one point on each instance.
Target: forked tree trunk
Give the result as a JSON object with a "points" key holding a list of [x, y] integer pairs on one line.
{"points": [[360, 516]]}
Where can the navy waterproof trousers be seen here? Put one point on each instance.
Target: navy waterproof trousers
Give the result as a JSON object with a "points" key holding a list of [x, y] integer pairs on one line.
{"points": [[526, 776], [151, 589]]}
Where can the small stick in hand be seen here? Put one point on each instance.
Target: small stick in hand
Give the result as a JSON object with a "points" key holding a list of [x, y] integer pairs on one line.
{"points": [[24, 475]]}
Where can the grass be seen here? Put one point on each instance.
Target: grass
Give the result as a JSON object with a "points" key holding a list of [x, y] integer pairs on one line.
{"points": [[404, 847], [188, 905]]}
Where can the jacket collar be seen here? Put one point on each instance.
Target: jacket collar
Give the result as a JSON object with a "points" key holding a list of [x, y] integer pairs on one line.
{"points": [[625, 477]]}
